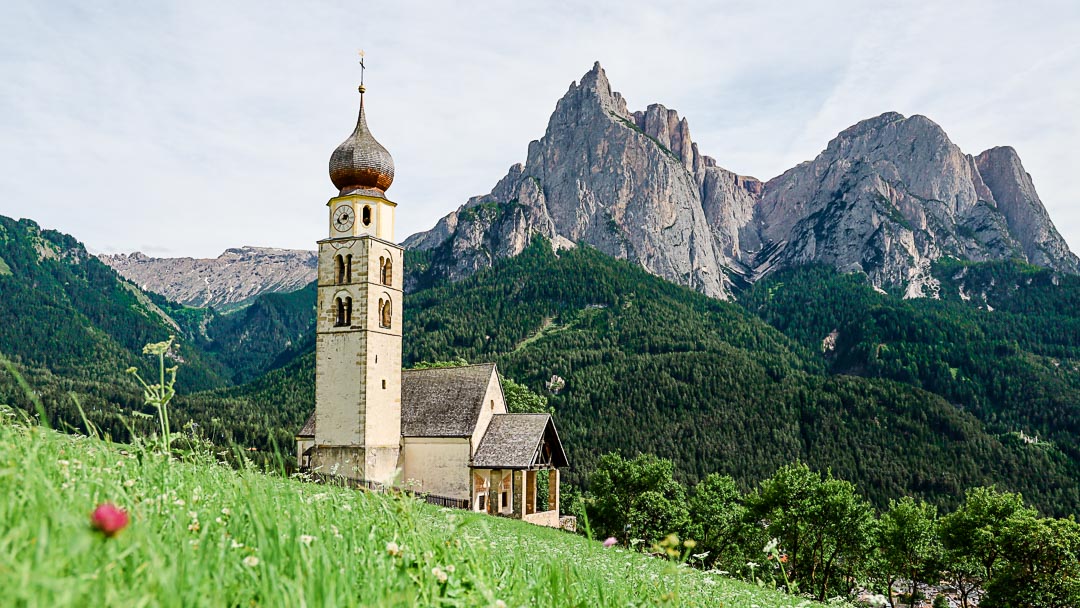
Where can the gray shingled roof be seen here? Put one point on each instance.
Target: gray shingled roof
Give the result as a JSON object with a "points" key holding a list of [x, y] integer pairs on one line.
{"points": [[309, 427], [443, 402], [512, 441]]}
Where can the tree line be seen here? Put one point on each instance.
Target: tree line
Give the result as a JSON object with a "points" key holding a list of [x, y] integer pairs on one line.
{"points": [[815, 534]]}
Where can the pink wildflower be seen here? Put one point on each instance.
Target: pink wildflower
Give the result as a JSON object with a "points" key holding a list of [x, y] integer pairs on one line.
{"points": [[610, 542], [109, 519]]}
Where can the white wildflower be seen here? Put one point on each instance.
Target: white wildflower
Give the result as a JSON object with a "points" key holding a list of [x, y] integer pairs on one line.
{"points": [[251, 561], [439, 574]]}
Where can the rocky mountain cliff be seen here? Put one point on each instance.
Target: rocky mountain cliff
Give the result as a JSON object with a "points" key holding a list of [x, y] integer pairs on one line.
{"points": [[886, 197], [227, 281]]}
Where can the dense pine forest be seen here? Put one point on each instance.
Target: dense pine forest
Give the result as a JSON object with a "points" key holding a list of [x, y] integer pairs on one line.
{"points": [[926, 398]]}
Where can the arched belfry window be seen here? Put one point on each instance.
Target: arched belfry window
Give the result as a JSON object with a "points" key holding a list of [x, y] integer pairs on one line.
{"points": [[339, 319], [365, 215], [386, 312], [339, 270], [348, 268], [388, 271], [348, 310]]}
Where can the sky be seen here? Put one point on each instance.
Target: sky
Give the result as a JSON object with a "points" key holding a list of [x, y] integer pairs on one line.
{"points": [[185, 128]]}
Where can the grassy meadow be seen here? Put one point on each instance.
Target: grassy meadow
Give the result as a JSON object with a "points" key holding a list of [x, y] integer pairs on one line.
{"points": [[203, 534]]}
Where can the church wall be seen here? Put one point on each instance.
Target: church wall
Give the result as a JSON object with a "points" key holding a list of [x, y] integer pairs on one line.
{"points": [[439, 465], [383, 365], [493, 394], [339, 380]]}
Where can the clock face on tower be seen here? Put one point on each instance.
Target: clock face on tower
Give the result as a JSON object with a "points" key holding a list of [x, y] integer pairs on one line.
{"points": [[343, 218]]}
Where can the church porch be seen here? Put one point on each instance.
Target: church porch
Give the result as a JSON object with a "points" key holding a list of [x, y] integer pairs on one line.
{"points": [[531, 494], [516, 469]]}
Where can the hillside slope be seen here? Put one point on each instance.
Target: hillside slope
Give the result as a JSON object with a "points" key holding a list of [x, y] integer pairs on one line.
{"points": [[62, 309], [204, 535]]}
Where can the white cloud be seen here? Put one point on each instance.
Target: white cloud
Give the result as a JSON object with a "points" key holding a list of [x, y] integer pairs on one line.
{"points": [[197, 126]]}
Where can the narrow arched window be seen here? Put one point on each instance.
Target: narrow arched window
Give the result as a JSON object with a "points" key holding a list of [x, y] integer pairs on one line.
{"points": [[348, 268], [387, 313], [348, 311], [388, 272], [365, 215], [340, 317], [382, 270], [339, 270]]}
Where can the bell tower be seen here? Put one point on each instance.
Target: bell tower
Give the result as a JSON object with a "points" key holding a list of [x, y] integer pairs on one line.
{"points": [[358, 341]]}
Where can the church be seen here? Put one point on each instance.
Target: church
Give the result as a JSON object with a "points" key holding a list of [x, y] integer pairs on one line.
{"points": [[443, 433]]}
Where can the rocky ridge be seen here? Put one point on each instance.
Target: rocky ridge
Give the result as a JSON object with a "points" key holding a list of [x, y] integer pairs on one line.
{"points": [[224, 282], [886, 197]]}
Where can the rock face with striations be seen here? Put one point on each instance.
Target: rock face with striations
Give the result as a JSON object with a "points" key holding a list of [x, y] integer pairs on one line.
{"points": [[629, 184], [885, 198], [224, 282]]}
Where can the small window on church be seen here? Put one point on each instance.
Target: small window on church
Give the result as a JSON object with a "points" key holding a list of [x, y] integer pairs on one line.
{"points": [[384, 384], [492, 404], [339, 270], [365, 215], [348, 268], [387, 272], [348, 311]]}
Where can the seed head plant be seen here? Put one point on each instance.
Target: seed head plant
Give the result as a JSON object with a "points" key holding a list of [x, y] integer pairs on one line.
{"points": [[160, 394]]}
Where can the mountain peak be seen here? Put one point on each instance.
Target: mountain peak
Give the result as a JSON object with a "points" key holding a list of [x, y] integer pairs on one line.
{"points": [[593, 89], [888, 196]]}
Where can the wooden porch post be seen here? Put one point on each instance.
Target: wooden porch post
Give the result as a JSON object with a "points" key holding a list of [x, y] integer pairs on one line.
{"points": [[494, 486], [518, 496], [553, 490], [530, 492]]}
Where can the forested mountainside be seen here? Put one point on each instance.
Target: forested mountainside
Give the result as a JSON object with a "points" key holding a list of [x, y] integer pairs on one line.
{"points": [[62, 309], [652, 367], [887, 197], [922, 397]]}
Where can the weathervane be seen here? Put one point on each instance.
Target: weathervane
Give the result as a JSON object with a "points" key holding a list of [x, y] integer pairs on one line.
{"points": [[362, 67]]}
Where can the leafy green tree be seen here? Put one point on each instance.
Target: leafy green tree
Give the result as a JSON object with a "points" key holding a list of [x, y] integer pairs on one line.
{"points": [[520, 399], [458, 362], [907, 546], [617, 483], [824, 526], [654, 515], [717, 516], [1041, 567], [972, 537]]}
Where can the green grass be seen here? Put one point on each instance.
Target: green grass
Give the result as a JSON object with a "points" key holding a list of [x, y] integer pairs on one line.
{"points": [[193, 526]]}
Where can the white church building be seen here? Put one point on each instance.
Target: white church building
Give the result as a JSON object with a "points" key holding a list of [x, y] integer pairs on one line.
{"points": [[444, 433]]}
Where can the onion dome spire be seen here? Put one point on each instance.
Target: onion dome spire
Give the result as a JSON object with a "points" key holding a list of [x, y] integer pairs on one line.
{"points": [[360, 162]]}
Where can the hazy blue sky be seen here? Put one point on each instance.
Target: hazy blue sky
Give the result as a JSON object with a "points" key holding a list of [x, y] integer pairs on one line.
{"points": [[185, 128]]}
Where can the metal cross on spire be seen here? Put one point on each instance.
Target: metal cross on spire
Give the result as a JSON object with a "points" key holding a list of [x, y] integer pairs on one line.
{"points": [[362, 67]]}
